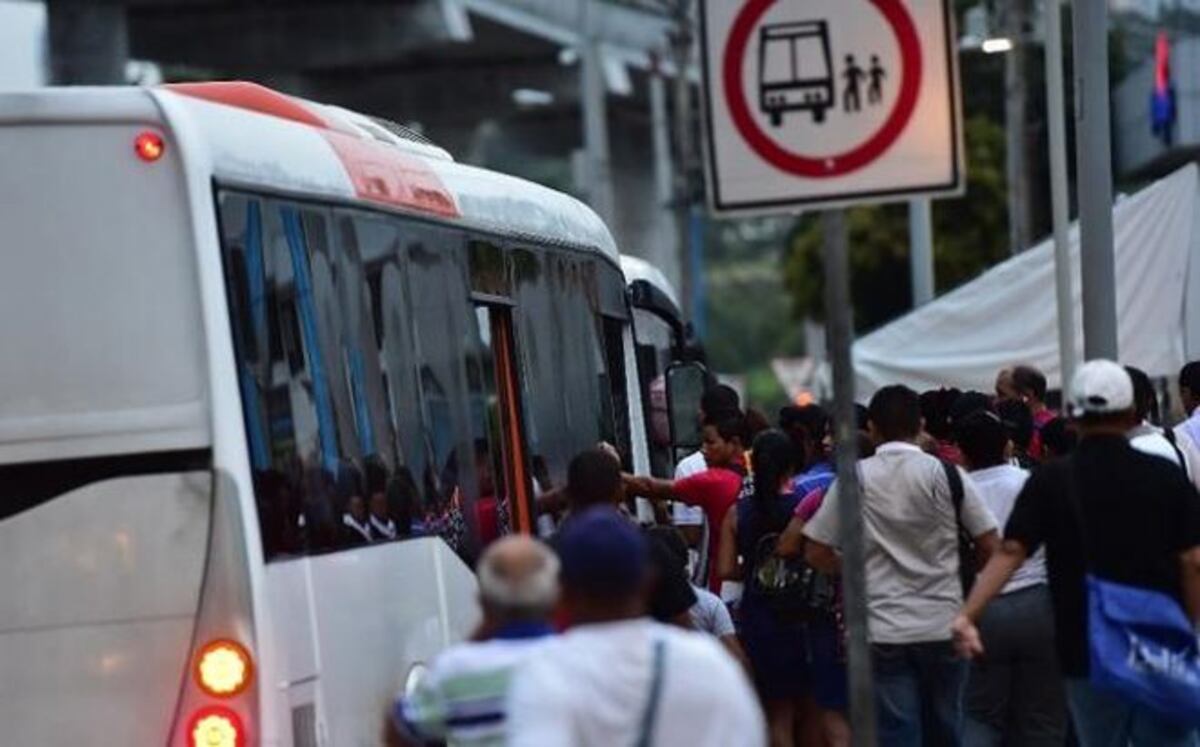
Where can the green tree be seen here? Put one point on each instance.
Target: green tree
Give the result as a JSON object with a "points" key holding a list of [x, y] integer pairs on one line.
{"points": [[969, 236]]}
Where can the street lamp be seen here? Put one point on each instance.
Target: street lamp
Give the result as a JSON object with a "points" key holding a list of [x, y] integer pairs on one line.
{"points": [[996, 45]]}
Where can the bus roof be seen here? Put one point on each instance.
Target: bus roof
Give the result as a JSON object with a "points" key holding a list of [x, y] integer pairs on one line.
{"points": [[636, 268], [251, 136]]}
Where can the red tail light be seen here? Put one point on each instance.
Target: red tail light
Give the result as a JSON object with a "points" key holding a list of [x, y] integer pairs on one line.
{"points": [[216, 726]]}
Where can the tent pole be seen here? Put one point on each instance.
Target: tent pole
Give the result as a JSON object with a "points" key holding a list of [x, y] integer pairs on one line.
{"points": [[1056, 121], [1093, 166]]}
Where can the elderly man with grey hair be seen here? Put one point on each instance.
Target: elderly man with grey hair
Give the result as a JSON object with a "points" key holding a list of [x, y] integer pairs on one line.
{"points": [[461, 700]]}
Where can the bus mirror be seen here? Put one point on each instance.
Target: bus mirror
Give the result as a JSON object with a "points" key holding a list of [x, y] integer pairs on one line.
{"points": [[685, 386]]}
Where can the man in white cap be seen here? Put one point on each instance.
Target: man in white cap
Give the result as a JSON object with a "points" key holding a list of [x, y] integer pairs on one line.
{"points": [[1141, 518]]}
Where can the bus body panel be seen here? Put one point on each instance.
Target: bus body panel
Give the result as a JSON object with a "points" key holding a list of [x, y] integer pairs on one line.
{"points": [[118, 367], [409, 600], [97, 615]]}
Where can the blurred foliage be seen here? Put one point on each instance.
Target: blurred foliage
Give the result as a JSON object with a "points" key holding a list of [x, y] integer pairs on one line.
{"points": [[748, 309], [969, 236]]}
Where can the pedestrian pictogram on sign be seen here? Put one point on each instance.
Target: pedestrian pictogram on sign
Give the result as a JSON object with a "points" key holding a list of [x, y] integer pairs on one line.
{"points": [[829, 102]]}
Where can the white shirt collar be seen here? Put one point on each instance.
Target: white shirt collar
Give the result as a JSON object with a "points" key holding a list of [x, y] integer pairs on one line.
{"points": [[897, 446]]}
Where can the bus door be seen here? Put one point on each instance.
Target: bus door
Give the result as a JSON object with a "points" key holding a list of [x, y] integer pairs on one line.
{"points": [[506, 487]]}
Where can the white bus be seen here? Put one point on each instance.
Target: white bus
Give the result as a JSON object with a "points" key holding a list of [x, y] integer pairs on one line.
{"points": [[660, 335], [247, 342]]}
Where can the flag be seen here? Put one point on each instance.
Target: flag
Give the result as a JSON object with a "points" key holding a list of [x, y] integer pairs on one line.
{"points": [[1162, 99]]}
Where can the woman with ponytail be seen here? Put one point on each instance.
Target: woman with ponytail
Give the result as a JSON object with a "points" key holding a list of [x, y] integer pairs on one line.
{"points": [[774, 643]]}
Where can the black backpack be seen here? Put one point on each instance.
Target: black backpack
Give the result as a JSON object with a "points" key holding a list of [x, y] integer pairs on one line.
{"points": [[791, 588]]}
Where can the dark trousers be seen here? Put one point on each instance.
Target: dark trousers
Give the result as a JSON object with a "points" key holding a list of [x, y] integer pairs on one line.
{"points": [[918, 694], [1014, 692]]}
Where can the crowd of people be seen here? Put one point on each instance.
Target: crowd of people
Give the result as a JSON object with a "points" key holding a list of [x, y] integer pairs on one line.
{"points": [[1000, 538]]}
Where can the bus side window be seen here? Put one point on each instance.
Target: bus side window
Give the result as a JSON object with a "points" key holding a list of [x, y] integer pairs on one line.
{"points": [[567, 387], [617, 395], [443, 321]]}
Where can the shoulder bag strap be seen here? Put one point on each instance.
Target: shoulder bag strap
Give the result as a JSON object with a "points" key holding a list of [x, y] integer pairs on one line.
{"points": [[650, 715], [954, 480], [1169, 434]]}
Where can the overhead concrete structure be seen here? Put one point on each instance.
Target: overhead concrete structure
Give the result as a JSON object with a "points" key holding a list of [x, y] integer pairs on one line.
{"points": [[497, 82]]}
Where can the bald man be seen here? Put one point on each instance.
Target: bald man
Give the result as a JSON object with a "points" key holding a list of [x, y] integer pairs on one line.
{"points": [[461, 699]]}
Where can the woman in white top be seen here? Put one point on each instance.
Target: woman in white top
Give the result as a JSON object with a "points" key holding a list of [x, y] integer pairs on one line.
{"points": [[1014, 695]]}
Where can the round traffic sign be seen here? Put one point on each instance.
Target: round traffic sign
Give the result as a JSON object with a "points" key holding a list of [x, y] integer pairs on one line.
{"points": [[838, 164]]}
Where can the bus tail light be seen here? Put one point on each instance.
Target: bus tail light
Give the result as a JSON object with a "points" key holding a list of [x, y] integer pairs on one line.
{"points": [[216, 727], [223, 668], [218, 703]]}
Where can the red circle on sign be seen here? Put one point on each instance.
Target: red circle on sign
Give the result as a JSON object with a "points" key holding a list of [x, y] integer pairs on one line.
{"points": [[842, 163]]}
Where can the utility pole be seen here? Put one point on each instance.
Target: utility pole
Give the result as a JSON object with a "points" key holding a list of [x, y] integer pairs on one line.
{"points": [[681, 48], [666, 255], [1094, 177], [595, 118], [1064, 271], [1016, 164]]}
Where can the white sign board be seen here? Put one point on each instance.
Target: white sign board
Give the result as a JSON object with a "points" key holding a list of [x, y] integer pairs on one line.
{"points": [[829, 102]]}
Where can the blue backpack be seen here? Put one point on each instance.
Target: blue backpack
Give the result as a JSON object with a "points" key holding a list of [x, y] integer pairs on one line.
{"points": [[1141, 645]]}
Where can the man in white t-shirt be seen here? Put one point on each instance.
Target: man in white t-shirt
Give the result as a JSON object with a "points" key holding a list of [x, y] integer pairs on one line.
{"points": [[616, 677], [1015, 695], [910, 532], [1145, 436]]}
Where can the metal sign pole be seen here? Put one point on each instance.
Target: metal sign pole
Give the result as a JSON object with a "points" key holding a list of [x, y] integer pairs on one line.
{"points": [[920, 247], [839, 326]]}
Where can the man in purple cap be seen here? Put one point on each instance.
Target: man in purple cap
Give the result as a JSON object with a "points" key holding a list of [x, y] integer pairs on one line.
{"points": [[618, 677]]}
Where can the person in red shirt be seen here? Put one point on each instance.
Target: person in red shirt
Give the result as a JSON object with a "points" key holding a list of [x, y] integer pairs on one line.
{"points": [[714, 490]]}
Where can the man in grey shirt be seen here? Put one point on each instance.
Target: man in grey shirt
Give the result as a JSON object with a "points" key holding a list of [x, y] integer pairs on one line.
{"points": [[911, 531]]}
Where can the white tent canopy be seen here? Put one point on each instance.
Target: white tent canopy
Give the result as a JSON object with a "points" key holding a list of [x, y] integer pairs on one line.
{"points": [[1008, 314]]}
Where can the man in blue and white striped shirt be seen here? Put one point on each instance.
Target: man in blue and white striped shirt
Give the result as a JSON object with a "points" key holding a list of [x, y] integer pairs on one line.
{"points": [[461, 700]]}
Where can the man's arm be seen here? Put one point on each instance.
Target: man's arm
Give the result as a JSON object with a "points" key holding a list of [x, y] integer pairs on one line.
{"points": [[821, 534], [1189, 563], [791, 542], [822, 557], [653, 488], [986, 545], [551, 501], [734, 647], [727, 563], [988, 583]]}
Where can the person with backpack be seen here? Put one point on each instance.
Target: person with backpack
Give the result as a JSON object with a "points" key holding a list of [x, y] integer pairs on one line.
{"points": [[1122, 535], [772, 635], [916, 510]]}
